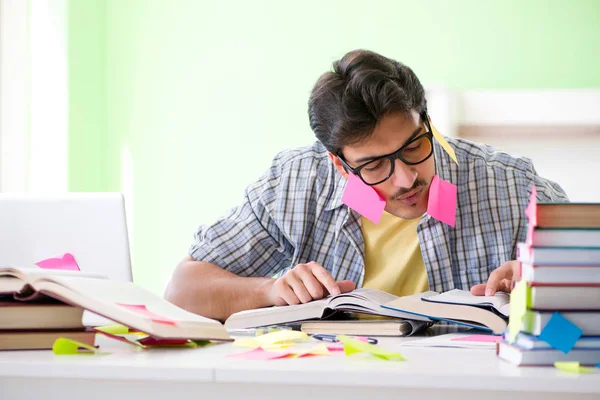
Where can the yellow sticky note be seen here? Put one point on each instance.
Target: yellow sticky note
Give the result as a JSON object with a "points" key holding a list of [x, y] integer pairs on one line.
{"points": [[318, 350], [573, 367], [252, 343], [114, 329], [520, 300], [284, 336], [68, 346], [443, 142], [352, 346]]}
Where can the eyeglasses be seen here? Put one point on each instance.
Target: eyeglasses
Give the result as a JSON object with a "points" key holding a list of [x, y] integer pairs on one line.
{"points": [[381, 168]]}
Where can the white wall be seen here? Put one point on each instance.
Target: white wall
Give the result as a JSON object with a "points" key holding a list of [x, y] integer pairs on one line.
{"points": [[572, 162]]}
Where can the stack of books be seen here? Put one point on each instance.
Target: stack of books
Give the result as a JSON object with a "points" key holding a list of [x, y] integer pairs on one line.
{"points": [[555, 307], [36, 324]]}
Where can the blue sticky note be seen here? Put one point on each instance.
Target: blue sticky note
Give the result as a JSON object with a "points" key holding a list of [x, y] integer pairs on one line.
{"points": [[560, 333]]}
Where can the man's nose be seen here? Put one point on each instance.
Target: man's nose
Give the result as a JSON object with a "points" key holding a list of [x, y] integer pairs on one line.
{"points": [[403, 176]]}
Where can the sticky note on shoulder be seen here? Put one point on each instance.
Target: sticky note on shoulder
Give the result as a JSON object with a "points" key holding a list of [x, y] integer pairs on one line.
{"points": [[443, 142]]}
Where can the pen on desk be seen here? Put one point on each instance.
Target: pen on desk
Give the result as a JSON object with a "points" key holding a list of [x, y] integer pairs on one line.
{"points": [[332, 338]]}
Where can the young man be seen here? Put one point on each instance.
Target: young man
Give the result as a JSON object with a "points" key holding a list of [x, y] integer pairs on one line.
{"points": [[293, 240]]}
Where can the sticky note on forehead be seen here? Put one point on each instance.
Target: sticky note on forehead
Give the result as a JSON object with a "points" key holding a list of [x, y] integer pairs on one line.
{"points": [[443, 142]]}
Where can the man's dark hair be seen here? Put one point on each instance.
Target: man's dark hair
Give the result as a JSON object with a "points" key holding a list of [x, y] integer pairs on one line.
{"points": [[345, 105]]}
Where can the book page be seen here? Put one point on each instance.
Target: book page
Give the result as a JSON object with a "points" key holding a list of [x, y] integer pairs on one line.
{"points": [[108, 294], [499, 301], [277, 315], [30, 274], [9, 285]]}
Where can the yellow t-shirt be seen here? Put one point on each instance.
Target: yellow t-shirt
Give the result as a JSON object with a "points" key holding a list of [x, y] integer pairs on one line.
{"points": [[393, 260]]}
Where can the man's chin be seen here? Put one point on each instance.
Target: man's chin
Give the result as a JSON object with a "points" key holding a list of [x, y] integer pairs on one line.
{"points": [[407, 212]]}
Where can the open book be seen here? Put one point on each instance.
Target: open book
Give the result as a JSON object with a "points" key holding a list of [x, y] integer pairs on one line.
{"points": [[123, 302], [457, 306]]}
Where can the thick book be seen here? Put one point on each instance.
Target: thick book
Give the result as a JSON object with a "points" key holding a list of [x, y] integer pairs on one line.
{"points": [[565, 237], [123, 302], [588, 321], [576, 256], [568, 215], [364, 301], [544, 356], [466, 309], [488, 313], [564, 298], [39, 315], [561, 275], [42, 339], [358, 327], [531, 342]]}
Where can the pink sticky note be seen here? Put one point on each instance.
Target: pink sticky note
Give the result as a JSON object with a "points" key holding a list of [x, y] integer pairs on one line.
{"points": [[142, 310], [260, 354], [531, 210], [67, 262], [442, 201], [363, 199], [530, 232], [479, 338]]}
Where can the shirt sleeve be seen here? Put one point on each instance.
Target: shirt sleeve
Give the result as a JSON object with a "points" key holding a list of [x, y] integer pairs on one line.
{"points": [[547, 190], [247, 241]]}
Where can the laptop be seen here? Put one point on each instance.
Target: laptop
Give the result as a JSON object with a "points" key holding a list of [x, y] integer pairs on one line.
{"points": [[90, 226]]}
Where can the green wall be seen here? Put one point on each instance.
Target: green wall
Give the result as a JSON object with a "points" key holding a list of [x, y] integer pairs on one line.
{"points": [[202, 94]]}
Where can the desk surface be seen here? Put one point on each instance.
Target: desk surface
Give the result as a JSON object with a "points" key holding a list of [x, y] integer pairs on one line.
{"points": [[156, 373]]}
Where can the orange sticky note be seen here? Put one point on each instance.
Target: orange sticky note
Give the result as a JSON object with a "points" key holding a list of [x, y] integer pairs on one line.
{"points": [[66, 262]]}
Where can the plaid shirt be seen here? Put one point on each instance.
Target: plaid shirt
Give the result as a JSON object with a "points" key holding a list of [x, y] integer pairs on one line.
{"points": [[294, 214]]}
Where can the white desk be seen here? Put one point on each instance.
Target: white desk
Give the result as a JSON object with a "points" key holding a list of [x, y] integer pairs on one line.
{"points": [[204, 373]]}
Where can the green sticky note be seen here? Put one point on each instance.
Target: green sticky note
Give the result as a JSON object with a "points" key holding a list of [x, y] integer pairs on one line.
{"points": [[114, 329], [520, 300], [68, 346], [573, 367], [352, 346]]}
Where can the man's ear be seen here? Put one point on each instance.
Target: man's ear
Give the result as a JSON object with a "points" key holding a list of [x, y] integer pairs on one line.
{"points": [[338, 164]]}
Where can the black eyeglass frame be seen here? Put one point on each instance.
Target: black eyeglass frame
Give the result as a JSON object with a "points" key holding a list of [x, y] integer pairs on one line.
{"points": [[393, 156]]}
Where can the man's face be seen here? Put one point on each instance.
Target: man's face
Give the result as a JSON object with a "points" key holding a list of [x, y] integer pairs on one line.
{"points": [[406, 192]]}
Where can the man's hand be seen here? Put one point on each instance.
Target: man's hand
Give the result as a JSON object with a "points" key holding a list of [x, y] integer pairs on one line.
{"points": [[500, 279], [304, 283]]}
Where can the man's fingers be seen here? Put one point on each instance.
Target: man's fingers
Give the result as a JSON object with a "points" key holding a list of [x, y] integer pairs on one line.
{"points": [[313, 286], [298, 286], [346, 286], [286, 294], [505, 285], [478, 290], [325, 278]]}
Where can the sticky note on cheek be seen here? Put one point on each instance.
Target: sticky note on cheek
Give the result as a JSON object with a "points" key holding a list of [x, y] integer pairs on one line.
{"points": [[363, 199], [441, 204]]}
